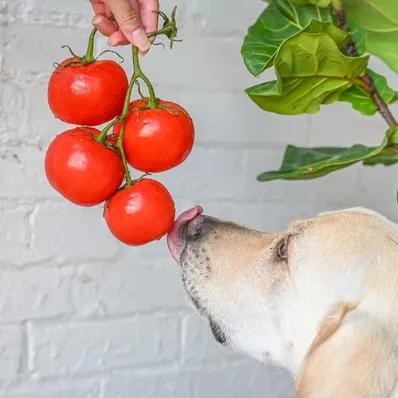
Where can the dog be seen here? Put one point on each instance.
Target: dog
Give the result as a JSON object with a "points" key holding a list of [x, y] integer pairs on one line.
{"points": [[319, 299]]}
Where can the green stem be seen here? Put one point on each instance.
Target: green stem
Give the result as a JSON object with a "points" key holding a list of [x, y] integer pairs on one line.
{"points": [[104, 132], [122, 119], [337, 5], [164, 31], [119, 144], [367, 82], [89, 56], [139, 74]]}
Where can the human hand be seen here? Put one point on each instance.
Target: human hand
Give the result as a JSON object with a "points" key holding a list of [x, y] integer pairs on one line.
{"points": [[134, 18]]}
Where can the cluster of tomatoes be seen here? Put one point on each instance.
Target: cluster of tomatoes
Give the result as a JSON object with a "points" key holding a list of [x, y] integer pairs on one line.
{"points": [[87, 165]]}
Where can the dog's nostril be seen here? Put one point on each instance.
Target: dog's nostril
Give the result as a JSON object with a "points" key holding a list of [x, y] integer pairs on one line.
{"points": [[198, 227]]}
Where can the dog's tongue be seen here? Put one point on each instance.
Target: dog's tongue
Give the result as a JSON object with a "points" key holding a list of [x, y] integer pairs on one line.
{"points": [[174, 240]]}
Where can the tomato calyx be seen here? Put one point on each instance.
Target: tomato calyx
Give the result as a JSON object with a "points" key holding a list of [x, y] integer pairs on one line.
{"points": [[162, 105], [169, 28], [88, 57]]}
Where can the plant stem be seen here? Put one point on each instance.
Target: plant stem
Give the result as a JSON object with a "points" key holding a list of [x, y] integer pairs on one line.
{"points": [[382, 107], [122, 119], [337, 4], [163, 31], [139, 74], [89, 56], [368, 83], [101, 137]]}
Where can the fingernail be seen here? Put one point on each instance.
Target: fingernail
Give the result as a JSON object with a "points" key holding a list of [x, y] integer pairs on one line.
{"points": [[143, 53], [140, 39], [98, 19]]}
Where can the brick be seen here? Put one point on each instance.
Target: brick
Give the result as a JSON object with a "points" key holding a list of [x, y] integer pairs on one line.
{"points": [[62, 389], [339, 125], [217, 18], [73, 13], [193, 177], [232, 119], [377, 189], [12, 110], [69, 232], [39, 57], [249, 379], [150, 385], [34, 293], [198, 344], [315, 192], [122, 287], [151, 253], [222, 68], [76, 349], [11, 348], [14, 229], [26, 166], [3, 12], [43, 126]]}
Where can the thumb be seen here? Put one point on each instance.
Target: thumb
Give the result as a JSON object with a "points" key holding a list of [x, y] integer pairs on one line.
{"points": [[129, 22]]}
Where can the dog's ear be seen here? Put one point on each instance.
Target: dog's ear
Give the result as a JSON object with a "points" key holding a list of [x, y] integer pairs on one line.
{"points": [[346, 360]]}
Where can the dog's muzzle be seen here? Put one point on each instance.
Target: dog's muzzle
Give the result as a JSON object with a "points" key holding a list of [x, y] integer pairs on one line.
{"points": [[189, 226]]}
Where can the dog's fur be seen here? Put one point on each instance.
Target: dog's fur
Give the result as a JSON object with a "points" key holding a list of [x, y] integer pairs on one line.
{"points": [[320, 299]]}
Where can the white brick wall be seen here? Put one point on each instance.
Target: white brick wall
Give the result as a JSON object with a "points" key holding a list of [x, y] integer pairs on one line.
{"points": [[82, 316]]}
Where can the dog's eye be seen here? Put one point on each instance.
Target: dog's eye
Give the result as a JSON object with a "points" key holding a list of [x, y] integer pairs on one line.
{"points": [[282, 248]]}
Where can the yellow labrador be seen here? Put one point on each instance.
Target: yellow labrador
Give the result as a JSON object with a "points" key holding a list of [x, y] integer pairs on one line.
{"points": [[320, 299]]}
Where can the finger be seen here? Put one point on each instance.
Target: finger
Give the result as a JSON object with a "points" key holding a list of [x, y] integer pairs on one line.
{"points": [[149, 16], [129, 22], [98, 6], [108, 11], [117, 39], [104, 24]]}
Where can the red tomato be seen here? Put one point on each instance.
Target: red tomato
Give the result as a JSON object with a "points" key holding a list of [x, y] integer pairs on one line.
{"points": [[141, 213], [82, 170], [157, 139], [87, 94]]}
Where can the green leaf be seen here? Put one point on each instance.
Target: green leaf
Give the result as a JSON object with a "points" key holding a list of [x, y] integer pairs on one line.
{"points": [[359, 38], [318, 3], [306, 163], [311, 71], [362, 101], [279, 21], [297, 96], [378, 20], [387, 157], [392, 136]]}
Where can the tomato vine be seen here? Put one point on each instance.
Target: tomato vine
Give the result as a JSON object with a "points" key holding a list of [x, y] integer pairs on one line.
{"points": [[87, 166]]}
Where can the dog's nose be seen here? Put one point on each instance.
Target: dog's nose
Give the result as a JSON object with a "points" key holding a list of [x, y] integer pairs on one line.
{"points": [[198, 227]]}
